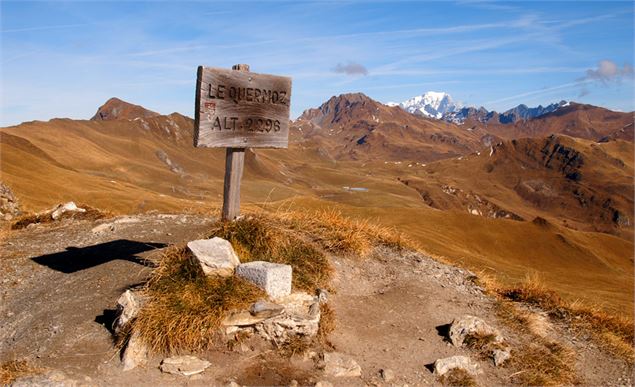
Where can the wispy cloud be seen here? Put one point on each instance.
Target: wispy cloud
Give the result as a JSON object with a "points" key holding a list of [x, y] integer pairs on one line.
{"points": [[44, 28], [543, 91], [350, 68], [608, 71]]}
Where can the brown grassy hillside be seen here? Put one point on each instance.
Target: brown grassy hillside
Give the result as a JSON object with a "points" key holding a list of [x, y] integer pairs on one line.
{"points": [[143, 163]]}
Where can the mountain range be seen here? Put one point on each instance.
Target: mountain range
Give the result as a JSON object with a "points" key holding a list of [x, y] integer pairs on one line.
{"points": [[440, 105], [478, 192]]}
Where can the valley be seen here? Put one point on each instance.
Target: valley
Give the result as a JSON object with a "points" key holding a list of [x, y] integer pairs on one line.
{"points": [[551, 195]]}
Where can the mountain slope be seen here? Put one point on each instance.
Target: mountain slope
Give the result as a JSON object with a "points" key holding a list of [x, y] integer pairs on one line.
{"points": [[356, 127], [116, 109], [575, 120]]}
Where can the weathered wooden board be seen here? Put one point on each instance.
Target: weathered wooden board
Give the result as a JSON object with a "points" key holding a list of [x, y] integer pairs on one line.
{"points": [[239, 109]]}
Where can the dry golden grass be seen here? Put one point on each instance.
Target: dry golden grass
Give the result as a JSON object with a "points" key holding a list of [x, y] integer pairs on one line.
{"points": [[458, 377], [611, 332], [342, 235], [14, 369], [45, 217], [261, 238], [543, 363], [186, 307]]}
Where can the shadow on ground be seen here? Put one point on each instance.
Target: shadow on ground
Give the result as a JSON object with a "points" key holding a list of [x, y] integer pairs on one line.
{"points": [[80, 258]]}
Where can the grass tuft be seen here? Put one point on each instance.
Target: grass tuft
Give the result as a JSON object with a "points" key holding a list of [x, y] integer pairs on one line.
{"points": [[458, 377], [543, 363], [14, 369], [259, 238], [185, 307], [613, 333]]}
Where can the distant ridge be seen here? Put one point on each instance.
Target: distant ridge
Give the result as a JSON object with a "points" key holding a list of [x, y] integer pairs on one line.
{"points": [[441, 106], [116, 109]]}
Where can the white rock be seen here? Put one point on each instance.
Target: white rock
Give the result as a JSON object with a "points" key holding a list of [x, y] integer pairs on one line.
{"points": [[442, 366], [63, 208], [184, 365], [106, 227], [500, 356], [216, 256], [273, 278], [128, 306], [265, 309], [135, 354], [127, 219], [301, 317], [341, 366], [387, 374], [241, 318], [323, 383], [470, 325]]}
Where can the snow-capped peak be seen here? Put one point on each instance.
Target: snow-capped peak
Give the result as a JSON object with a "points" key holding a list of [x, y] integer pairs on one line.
{"points": [[431, 104]]}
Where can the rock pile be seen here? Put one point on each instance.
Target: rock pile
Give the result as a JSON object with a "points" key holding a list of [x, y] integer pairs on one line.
{"points": [[9, 205], [284, 315]]}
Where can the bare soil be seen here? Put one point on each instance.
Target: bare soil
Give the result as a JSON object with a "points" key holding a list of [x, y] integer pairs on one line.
{"points": [[61, 281]]}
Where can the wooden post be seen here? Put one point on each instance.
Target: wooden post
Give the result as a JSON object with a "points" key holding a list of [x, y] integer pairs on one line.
{"points": [[237, 109], [234, 164]]}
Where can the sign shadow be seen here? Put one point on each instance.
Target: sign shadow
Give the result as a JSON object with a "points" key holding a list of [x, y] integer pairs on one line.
{"points": [[75, 259]]}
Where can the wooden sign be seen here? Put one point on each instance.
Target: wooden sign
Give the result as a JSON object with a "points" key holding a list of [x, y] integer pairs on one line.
{"points": [[241, 109]]}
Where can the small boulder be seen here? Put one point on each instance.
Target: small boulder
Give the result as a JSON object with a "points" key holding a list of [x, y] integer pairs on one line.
{"points": [[216, 256], [273, 278], [470, 325], [500, 356], [135, 354], [184, 365], [241, 318], [341, 366], [128, 306], [442, 366], [299, 318], [102, 228], [322, 295], [265, 309], [63, 208], [387, 374]]}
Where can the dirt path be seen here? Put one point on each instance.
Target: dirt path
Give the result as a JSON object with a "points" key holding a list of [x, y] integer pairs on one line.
{"points": [[60, 283]]}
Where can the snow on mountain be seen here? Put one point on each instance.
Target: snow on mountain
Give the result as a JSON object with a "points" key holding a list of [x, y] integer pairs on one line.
{"points": [[431, 104], [440, 105]]}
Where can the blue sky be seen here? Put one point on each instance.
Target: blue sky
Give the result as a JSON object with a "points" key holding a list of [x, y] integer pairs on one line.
{"points": [[64, 59]]}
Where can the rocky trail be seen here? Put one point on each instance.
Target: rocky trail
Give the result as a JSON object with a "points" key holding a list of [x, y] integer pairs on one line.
{"points": [[393, 310]]}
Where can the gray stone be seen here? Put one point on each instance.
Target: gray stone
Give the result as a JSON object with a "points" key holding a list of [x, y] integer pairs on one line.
{"points": [[273, 278], [322, 296], [442, 366], [387, 374], [135, 354], [184, 365], [102, 228], [470, 325], [265, 309], [63, 208], [341, 366], [241, 318], [297, 319], [216, 256], [128, 306], [500, 356]]}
